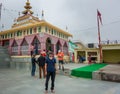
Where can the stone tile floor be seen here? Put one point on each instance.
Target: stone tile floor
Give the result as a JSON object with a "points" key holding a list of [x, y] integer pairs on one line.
{"points": [[20, 82]]}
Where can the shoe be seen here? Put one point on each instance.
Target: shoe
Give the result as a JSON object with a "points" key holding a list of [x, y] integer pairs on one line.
{"points": [[46, 91], [52, 91]]}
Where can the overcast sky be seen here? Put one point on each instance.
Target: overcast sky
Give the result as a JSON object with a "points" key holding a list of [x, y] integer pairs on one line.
{"points": [[78, 15]]}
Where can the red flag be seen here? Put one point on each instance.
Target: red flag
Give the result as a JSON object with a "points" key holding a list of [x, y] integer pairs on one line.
{"points": [[0, 10], [99, 16]]}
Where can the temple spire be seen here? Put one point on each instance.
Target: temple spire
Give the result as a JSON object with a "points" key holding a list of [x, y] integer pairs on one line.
{"points": [[27, 8]]}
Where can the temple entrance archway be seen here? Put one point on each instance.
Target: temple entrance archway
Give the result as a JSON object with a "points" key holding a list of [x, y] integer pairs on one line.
{"points": [[36, 44], [48, 44], [58, 46]]}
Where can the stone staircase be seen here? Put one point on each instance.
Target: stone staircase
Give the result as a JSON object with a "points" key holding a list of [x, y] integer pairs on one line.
{"points": [[4, 57]]}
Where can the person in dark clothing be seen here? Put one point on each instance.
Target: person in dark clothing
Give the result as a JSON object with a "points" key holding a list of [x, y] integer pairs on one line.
{"points": [[36, 48], [31, 50], [50, 69], [33, 60], [41, 63]]}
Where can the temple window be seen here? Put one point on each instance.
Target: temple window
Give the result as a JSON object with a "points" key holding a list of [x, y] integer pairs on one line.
{"points": [[6, 36], [18, 33], [46, 29], [60, 34], [30, 30], [52, 31], [11, 35], [3, 36], [39, 29]]}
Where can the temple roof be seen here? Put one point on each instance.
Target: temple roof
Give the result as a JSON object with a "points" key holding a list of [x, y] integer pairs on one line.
{"points": [[29, 21], [41, 23]]}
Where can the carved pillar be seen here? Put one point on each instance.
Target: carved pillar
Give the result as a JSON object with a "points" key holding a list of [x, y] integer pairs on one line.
{"points": [[76, 56], [29, 45], [19, 50], [43, 46]]}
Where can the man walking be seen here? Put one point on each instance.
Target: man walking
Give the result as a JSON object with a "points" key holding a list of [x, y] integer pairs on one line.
{"points": [[50, 69], [41, 63], [60, 56]]}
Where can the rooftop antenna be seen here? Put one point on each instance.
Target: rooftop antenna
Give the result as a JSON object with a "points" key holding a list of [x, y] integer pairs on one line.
{"points": [[66, 28], [42, 14]]}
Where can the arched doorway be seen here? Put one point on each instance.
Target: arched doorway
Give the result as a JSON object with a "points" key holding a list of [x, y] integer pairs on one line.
{"points": [[36, 44], [5, 43], [24, 47], [65, 48], [14, 48], [58, 46], [48, 45]]}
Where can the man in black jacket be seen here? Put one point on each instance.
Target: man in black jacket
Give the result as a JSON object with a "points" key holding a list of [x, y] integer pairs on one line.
{"points": [[33, 61], [41, 63]]}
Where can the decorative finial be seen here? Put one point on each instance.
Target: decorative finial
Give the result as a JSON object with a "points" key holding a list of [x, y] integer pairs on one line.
{"points": [[27, 7], [42, 14]]}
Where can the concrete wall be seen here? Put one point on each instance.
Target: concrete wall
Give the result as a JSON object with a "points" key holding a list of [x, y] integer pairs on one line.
{"points": [[22, 63]]}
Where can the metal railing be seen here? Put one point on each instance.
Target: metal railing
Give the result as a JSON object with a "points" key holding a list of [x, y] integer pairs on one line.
{"points": [[108, 42]]}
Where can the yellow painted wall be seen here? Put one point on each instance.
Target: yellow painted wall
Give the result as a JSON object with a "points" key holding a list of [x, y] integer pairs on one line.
{"points": [[111, 56]]}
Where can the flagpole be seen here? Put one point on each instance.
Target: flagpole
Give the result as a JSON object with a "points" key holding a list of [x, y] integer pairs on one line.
{"points": [[0, 10], [99, 39]]}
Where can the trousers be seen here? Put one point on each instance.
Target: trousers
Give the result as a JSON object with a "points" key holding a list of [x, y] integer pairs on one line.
{"points": [[52, 75]]}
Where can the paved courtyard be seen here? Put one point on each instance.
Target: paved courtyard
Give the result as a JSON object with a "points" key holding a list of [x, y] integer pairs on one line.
{"points": [[14, 81]]}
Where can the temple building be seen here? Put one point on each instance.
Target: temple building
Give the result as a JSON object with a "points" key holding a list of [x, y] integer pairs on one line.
{"points": [[30, 30]]}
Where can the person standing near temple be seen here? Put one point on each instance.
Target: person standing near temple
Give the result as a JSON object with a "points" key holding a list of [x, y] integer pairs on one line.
{"points": [[44, 53], [36, 49], [33, 61], [60, 56], [31, 50], [73, 58], [89, 59], [41, 64], [50, 71]]}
